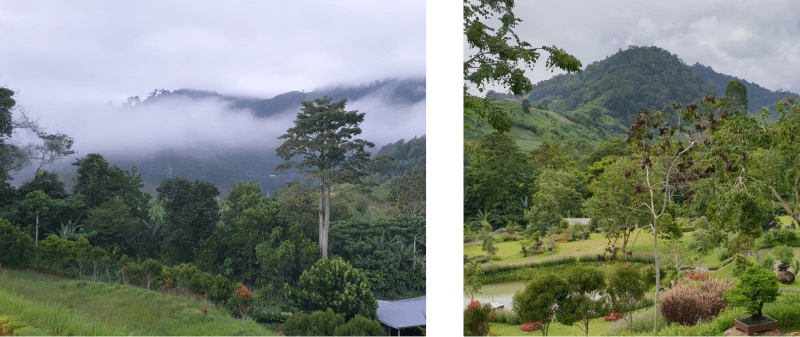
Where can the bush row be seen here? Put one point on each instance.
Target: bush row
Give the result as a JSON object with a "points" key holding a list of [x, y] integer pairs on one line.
{"points": [[329, 323]]}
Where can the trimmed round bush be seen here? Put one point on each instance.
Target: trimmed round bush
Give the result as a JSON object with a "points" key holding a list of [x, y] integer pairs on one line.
{"points": [[16, 248], [333, 283], [318, 323], [477, 318], [360, 326]]}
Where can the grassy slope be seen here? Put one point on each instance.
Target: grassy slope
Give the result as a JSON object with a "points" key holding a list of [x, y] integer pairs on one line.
{"points": [[118, 308]]}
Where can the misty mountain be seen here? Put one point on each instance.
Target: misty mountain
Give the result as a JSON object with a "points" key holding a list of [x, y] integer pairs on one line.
{"points": [[389, 91], [225, 168]]}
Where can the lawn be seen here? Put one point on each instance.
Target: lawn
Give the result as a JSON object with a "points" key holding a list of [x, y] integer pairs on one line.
{"points": [[596, 327], [114, 308]]}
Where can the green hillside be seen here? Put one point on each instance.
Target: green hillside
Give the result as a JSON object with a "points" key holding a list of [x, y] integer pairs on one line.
{"points": [[532, 129], [603, 99]]}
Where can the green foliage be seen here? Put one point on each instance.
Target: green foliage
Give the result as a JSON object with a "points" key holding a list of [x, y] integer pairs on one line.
{"points": [[56, 255], [632, 79], [496, 56], [383, 248], [17, 249], [100, 182], [626, 287], [526, 106], [737, 211], [192, 213], [498, 181], [768, 263], [668, 229], [537, 303], [46, 182], [506, 316], [116, 228], [779, 237], [317, 323], [472, 285], [410, 194], [247, 219], [360, 326], [477, 318], [554, 199], [322, 138], [333, 283], [736, 97], [285, 256], [783, 254], [150, 270], [755, 288], [581, 307], [702, 243], [740, 264]]}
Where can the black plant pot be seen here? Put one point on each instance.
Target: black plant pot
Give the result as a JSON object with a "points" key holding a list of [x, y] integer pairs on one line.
{"points": [[752, 325]]}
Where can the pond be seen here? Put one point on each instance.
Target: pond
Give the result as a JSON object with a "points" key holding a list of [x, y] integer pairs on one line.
{"points": [[501, 293], [497, 293]]}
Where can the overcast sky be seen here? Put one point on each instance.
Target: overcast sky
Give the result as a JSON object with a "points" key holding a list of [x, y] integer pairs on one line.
{"points": [[753, 40], [72, 65]]}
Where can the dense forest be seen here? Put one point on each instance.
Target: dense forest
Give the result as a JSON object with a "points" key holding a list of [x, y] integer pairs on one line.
{"points": [[249, 253]]}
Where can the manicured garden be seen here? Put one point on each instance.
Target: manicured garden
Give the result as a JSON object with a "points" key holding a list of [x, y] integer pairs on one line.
{"points": [[520, 273]]}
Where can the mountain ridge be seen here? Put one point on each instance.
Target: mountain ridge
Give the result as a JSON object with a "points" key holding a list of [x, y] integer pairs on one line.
{"points": [[391, 91]]}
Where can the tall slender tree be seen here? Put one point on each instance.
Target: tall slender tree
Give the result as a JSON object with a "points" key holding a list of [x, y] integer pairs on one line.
{"points": [[736, 97], [670, 161], [322, 139]]}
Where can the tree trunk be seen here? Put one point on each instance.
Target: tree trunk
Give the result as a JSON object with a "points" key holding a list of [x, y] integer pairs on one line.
{"points": [[327, 216], [658, 275], [37, 229], [322, 251]]}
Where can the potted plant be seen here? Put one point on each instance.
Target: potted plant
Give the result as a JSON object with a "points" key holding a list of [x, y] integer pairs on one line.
{"points": [[755, 288], [785, 255]]}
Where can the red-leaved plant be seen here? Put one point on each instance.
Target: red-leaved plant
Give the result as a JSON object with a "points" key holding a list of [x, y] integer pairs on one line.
{"points": [[530, 327], [613, 317]]}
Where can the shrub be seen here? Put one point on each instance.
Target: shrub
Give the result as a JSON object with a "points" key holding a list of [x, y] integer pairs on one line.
{"points": [[687, 302], [768, 263], [530, 327], [613, 317], [333, 283], [477, 318], [699, 277], [296, 324], [783, 254], [221, 289], [687, 229], [506, 316], [641, 322], [778, 237], [324, 323], [755, 288], [786, 310], [16, 248], [722, 255], [360, 326]]}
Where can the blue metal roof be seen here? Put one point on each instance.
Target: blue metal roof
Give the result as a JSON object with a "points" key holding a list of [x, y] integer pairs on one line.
{"points": [[403, 313]]}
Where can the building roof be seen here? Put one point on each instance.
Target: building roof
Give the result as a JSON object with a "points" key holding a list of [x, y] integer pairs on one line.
{"points": [[582, 221], [403, 313]]}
